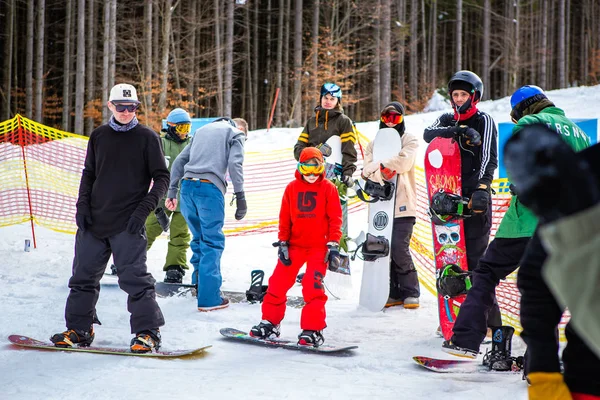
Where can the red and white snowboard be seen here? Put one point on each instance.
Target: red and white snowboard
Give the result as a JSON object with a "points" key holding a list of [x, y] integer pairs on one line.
{"points": [[443, 172]]}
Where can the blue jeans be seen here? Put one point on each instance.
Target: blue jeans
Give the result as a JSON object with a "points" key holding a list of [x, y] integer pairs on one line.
{"points": [[203, 207]]}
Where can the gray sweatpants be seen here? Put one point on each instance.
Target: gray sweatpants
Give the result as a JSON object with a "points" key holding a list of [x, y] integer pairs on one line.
{"points": [[129, 255]]}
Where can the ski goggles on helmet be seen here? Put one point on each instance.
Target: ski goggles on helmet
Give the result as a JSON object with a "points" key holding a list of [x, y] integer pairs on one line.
{"points": [[311, 169], [183, 129], [391, 118], [129, 107], [332, 89]]}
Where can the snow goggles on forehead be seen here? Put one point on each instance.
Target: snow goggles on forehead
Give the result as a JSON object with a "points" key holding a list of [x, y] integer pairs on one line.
{"points": [[184, 129], [311, 169], [129, 107], [331, 89], [391, 118]]}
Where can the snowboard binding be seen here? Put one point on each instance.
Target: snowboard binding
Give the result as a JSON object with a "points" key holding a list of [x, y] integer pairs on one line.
{"points": [[373, 192], [257, 290], [372, 248], [453, 281], [446, 207], [499, 357]]}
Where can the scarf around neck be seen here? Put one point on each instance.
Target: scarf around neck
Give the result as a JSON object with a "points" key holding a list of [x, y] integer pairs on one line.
{"points": [[120, 127]]}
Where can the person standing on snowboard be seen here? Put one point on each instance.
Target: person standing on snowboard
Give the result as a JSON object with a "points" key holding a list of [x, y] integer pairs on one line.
{"points": [[123, 157], [404, 281], [476, 134], [329, 120], [310, 221]]}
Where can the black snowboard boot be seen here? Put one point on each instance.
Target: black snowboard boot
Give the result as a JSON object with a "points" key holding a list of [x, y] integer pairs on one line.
{"points": [[451, 348], [310, 338], [73, 338], [265, 330], [146, 341], [499, 357], [174, 274]]}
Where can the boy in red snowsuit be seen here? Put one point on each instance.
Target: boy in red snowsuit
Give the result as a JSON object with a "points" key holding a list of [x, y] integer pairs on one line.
{"points": [[310, 222]]}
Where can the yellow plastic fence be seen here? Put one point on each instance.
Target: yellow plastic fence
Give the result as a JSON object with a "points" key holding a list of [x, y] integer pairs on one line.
{"points": [[40, 169]]}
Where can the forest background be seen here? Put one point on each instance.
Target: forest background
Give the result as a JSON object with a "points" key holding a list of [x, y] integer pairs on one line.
{"points": [[228, 57]]}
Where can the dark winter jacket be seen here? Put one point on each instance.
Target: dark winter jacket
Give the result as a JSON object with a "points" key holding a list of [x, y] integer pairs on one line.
{"points": [[478, 162], [322, 126], [119, 167]]}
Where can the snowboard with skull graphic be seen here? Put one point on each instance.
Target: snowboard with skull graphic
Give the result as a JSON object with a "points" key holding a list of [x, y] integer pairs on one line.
{"points": [[443, 171]]}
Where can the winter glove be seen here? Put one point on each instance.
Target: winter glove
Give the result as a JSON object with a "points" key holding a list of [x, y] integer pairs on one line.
{"points": [[480, 199], [283, 253], [241, 205], [387, 173], [347, 180], [547, 386], [369, 170], [471, 135], [135, 225], [333, 251], [325, 149], [83, 221]]}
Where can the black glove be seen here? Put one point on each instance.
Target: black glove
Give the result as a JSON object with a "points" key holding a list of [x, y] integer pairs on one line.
{"points": [[512, 190], [471, 135], [347, 180], [83, 221], [135, 224], [480, 199], [325, 149], [283, 253], [333, 251], [241, 205]]}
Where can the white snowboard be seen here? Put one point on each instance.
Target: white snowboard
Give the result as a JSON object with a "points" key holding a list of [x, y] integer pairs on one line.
{"points": [[375, 285], [335, 158]]}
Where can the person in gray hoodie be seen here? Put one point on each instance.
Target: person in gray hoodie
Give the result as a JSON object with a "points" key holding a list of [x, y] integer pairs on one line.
{"points": [[215, 149]]}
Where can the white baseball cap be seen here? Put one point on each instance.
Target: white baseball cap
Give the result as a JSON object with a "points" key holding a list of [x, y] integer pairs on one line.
{"points": [[123, 93]]}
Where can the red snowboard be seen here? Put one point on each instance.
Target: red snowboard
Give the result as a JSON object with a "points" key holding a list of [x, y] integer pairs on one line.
{"points": [[443, 172]]}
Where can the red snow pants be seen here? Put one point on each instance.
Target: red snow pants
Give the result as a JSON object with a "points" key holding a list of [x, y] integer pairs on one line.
{"points": [[283, 278]]}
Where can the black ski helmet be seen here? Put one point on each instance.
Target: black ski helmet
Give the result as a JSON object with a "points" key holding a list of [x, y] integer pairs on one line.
{"points": [[472, 79]]}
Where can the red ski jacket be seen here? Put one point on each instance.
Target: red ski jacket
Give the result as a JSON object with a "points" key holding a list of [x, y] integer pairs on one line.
{"points": [[311, 214]]}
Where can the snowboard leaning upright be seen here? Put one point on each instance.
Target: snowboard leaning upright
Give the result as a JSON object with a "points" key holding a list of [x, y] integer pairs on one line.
{"points": [[443, 172], [375, 284]]}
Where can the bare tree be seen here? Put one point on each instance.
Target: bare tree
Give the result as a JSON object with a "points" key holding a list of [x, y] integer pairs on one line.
{"points": [[29, 59], [297, 106], [434, 43], [414, 41], [278, 112], [315, 46], [91, 62], [112, 44], [459, 17], [487, 17], [80, 74], [561, 59], [164, 52], [8, 59], [66, 100], [376, 95], [148, 56], [385, 51], [39, 60], [105, 60], [228, 60], [218, 57]]}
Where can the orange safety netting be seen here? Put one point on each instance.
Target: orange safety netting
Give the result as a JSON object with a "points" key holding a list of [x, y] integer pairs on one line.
{"points": [[40, 169]]}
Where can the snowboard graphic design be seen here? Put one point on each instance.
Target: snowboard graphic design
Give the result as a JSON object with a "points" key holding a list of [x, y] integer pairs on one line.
{"points": [[443, 173], [243, 337], [456, 366], [24, 341], [183, 289], [375, 284]]}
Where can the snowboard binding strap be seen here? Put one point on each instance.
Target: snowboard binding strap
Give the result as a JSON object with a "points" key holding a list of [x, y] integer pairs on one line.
{"points": [[257, 290], [453, 281], [447, 207], [373, 247], [375, 192]]}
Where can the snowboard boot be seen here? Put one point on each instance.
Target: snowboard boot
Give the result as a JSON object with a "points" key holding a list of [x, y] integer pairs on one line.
{"points": [[310, 338], [451, 348], [146, 341], [391, 302], [73, 338], [224, 304], [174, 274], [498, 358], [411, 303], [265, 330]]}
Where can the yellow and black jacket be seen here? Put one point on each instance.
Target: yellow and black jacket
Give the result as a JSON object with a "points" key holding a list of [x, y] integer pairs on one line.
{"points": [[324, 125]]}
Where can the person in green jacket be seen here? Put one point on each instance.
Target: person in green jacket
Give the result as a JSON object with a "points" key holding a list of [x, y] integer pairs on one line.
{"points": [[530, 106], [174, 139]]}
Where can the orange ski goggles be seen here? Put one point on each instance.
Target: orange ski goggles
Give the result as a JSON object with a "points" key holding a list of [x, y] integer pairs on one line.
{"points": [[311, 169], [391, 118]]}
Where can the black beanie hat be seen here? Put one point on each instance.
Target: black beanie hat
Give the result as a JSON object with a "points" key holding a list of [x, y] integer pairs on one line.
{"points": [[398, 107]]}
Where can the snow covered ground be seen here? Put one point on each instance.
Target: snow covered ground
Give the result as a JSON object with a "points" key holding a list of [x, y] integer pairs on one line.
{"points": [[33, 290]]}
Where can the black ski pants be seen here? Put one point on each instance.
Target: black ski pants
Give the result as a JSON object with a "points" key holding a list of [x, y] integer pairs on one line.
{"points": [[91, 257], [404, 281], [500, 260], [540, 316], [477, 238]]}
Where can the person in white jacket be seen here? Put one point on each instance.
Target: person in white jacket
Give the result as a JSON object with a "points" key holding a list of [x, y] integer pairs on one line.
{"points": [[404, 282]]}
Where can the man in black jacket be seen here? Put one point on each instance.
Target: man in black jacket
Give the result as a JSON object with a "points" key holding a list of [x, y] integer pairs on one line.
{"points": [[477, 138], [123, 158]]}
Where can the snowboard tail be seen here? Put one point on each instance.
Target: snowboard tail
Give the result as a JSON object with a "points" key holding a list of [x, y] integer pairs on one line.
{"points": [[457, 366], [243, 337], [27, 342]]}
